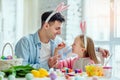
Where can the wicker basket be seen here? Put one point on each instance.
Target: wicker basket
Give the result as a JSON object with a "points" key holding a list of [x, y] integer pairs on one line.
{"points": [[5, 64]]}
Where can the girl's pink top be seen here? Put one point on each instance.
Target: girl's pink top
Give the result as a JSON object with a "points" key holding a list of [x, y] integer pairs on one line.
{"points": [[74, 63]]}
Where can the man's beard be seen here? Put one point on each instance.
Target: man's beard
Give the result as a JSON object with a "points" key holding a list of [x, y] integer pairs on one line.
{"points": [[52, 36]]}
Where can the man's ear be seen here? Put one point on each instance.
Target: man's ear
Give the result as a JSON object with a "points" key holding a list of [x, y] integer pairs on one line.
{"points": [[46, 25]]}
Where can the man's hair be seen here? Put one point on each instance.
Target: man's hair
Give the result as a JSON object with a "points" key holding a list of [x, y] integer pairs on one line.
{"points": [[55, 17]]}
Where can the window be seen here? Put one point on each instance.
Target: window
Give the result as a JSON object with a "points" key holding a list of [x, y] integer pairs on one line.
{"points": [[10, 22], [73, 20], [102, 18]]}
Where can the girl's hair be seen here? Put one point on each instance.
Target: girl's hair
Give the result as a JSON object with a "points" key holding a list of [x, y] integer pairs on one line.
{"points": [[90, 49]]}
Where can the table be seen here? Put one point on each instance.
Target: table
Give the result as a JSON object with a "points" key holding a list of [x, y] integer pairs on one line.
{"points": [[72, 78]]}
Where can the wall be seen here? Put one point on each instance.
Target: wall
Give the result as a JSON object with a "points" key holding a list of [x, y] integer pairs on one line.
{"points": [[30, 16], [33, 10], [47, 5]]}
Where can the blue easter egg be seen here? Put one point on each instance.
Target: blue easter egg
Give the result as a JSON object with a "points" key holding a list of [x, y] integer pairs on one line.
{"points": [[2, 73], [11, 77], [79, 78], [29, 76]]}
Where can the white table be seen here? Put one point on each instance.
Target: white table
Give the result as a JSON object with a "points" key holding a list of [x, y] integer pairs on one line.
{"points": [[62, 78]]}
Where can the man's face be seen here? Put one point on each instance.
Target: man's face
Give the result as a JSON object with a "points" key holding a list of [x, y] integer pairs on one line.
{"points": [[54, 29]]}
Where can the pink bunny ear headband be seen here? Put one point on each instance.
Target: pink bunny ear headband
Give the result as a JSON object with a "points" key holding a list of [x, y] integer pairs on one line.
{"points": [[83, 29], [61, 7]]}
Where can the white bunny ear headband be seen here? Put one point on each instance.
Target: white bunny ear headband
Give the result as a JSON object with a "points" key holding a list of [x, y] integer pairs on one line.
{"points": [[61, 7], [83, 29]]}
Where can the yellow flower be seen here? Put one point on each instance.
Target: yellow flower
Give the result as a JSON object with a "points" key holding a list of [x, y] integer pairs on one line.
{"points": [[43, 72], [35, 73]]}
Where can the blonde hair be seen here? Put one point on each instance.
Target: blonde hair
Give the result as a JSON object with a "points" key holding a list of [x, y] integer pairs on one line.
{"points": [[90, 49]]}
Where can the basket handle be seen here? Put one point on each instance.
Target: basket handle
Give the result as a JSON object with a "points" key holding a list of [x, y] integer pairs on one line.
{"points": [[5, 47]]}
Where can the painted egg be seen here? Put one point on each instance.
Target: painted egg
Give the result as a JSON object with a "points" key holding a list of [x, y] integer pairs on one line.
{"points": [[3, 57], [1, 77], [2, 73], [79, 78], [53, 76], [9, 57], [11, 77], [29, 76]]}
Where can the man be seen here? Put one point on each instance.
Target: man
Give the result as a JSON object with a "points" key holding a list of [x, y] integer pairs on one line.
{"points": [[37, 49]]}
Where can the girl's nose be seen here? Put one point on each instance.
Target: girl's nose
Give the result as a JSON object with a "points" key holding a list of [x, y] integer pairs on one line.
{"points": [[72, 45]]}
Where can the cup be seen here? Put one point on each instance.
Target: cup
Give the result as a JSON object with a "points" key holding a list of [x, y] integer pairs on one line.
{"points": [[107, 71]]}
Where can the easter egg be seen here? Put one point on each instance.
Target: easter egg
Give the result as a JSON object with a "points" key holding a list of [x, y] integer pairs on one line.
{"points": [[53, 76], [79, 78], [1, 77], [95, 78], [3, 57], [70, 70], [59, 73], [61, 45], [63, 71], [51, 70], [2, 73], [79, 71], [9, 57], [11, 77], [29, 76]]}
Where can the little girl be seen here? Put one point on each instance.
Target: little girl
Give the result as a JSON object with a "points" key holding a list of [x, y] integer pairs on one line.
{"points": [[85, 55]]}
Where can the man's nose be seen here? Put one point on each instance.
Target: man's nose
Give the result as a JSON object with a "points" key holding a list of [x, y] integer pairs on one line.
{"points": [[59, 32]]}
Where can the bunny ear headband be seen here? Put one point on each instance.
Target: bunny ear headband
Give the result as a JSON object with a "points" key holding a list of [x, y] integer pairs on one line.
{"points": [[61, 7], [83, 29]]}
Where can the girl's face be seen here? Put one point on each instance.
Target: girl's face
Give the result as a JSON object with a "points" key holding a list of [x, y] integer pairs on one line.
{"points": [[77, 48]]}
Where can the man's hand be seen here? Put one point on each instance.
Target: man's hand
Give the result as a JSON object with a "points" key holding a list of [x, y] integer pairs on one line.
{"points": [[53, 61], [105, 53], [61, 45]]}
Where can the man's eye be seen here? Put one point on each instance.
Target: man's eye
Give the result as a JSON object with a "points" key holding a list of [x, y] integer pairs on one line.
{"points": [[57, 28]]}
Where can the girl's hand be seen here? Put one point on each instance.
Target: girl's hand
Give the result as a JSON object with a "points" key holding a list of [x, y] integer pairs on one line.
{"points": [[105, 52]]}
